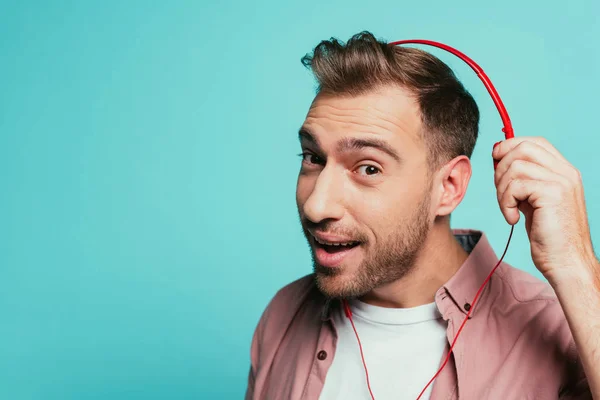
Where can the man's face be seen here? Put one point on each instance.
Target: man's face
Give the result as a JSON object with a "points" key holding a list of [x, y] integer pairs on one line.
{"points": [[363, 191]]}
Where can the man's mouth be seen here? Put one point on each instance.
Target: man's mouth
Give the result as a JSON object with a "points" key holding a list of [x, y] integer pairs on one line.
{"points": [[335, 247], [331, 251]]}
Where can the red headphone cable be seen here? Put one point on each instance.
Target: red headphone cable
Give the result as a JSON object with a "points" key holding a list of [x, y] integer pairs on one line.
{"points": [[348, 312]]}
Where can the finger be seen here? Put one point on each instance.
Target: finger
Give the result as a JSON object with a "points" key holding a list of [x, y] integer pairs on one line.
{"points": [[525, 170], [533, 153], [507, 145], [525, 190]]}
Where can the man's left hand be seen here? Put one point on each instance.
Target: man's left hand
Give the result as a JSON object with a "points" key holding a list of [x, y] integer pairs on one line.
{"points": [[534, 178]]}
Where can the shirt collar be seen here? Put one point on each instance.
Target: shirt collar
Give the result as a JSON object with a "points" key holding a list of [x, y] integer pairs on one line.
{"points": [[464, 284]]}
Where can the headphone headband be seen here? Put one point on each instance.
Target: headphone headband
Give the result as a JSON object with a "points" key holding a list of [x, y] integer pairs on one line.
{"points": [[507, 129]]}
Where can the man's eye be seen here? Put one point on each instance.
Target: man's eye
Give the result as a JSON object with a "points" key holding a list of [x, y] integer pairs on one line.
{"points": [[368, 170], [311, 158]]}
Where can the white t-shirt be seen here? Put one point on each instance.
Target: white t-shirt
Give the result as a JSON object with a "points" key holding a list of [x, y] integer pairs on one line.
{"points": [[403, 349]]}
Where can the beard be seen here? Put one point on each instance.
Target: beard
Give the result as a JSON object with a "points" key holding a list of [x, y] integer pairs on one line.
{"points": [[389, 261]]}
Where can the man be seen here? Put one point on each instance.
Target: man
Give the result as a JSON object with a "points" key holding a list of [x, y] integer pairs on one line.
{"points": [[386, 149]]}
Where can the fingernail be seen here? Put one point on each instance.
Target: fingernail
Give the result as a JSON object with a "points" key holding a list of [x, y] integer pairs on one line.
{"points": [[495, 145]]}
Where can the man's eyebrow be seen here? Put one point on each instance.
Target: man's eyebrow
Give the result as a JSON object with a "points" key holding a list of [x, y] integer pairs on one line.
{"points": [[349, 144], [304, 134]]}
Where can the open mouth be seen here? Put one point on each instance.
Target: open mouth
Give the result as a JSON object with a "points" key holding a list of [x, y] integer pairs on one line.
{"points": [[335, 247], [333, 254]]}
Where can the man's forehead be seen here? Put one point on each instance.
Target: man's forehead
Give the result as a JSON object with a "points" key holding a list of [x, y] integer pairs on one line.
{"points": [[391, 109], [385, 98]]}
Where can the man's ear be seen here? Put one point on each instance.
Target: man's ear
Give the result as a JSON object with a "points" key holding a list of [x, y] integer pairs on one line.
{"points": [[451, 184]]}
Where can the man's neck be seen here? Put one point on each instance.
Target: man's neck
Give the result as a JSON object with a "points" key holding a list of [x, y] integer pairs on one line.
{"points": [[437, 262]]}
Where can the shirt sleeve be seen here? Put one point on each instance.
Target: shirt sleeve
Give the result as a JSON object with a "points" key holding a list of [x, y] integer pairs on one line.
{"points": [[255, 353], [254, 356], [250, 387]]}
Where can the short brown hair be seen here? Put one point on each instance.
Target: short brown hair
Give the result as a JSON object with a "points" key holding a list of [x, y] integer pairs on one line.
{"points": [[449, 113]]}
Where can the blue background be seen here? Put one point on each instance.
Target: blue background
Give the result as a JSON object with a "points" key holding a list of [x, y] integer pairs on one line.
{"points": [[148, 167]]}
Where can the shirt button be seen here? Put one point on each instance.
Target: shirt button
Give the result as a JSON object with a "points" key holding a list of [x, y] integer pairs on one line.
{"points": [[467, 306], [322, 355]]}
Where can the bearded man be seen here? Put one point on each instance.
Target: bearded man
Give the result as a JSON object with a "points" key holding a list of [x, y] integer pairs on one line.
{"points": [[386, 147]]}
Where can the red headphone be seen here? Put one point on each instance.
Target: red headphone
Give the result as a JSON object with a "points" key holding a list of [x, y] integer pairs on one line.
{"points": [[508, 129], [508, 133]]}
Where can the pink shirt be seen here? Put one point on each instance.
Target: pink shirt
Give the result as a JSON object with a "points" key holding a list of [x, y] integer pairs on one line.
{"points": [[516, 344]]}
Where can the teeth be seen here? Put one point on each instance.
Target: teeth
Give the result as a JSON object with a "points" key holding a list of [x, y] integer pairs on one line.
{"points": [[334, 243]]}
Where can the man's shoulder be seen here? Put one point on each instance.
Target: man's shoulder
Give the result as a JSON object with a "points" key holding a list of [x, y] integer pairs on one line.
{"points": [[292, 295], [529, 311], [289, 299], [531, 305], [531, 298], [296, 289], [524, 287]]}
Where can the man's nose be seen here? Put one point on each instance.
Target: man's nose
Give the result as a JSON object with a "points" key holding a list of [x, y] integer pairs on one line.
{"points": [[326, 198]]}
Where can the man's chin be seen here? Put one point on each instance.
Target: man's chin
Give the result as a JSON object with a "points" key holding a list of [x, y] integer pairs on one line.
{"points": [[322, 271], [335, 284]]}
